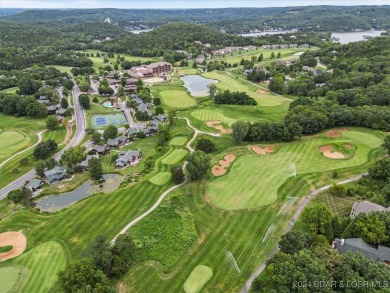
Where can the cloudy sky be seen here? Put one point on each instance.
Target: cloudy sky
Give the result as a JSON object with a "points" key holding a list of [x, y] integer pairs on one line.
{"points": [[177, 3]]}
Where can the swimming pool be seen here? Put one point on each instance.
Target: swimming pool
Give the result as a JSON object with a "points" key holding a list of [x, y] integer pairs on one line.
{"points": [[108, 104]]}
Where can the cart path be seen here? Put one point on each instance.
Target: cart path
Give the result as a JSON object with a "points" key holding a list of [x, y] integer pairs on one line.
{"points": [[164, 194], [299, 210]]}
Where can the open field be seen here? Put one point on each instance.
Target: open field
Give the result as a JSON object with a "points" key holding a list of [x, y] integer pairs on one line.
{"points": [[35, 270], [178, 141], [62, 68], [254, 180], [177, 99], [174, 157], [198, 278], [160, 178], [11, 90], [13, 169]]}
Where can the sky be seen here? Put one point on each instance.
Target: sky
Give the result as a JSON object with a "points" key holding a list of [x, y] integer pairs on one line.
{"points": [[169, 4]]}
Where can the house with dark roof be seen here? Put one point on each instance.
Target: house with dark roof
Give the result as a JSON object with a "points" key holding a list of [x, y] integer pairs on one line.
{"points": [[99, 149], [34, 184], [128, 158], [281, 62], [52, 109], [162, 117], [84, 164], [155, 122], [118, 141], [151, 130], [366, 207], [56, 174], [379, 254], [133, 132]]}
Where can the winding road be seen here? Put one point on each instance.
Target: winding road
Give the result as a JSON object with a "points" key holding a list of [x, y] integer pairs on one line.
{"points": [[76, 139], [163, 195], [299, 210]]}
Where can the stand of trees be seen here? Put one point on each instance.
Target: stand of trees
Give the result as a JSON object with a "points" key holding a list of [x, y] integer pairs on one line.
{"points": [[234, 98]]}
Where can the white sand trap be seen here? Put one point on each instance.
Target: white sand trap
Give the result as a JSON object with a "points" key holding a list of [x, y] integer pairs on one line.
{"points": [[15, 239]]}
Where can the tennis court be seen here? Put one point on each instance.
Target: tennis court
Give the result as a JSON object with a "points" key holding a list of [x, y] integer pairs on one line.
{"points": [[104, 120]]}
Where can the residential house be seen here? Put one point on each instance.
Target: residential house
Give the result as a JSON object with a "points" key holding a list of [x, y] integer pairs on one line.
{"points": [[304, 46], [281, 62], [198, 43], [266, 46], [155, 122], [118, 141], [61, 112], [133, 132], [293, 37], [293, 60], [131, 85], [200, 59], [84, 164], [379, 254], [292, 46], [207, 45], [162, 117], [52, 109], [56, 174], [128, 158], [366, 207], [99, 149], [307, 68], [150, 130], [284, 46], [248, 71], [274, 46], [34, 184]]}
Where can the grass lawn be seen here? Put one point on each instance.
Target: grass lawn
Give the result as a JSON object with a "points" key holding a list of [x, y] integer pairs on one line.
{"points": [[178, 140], [177, 99], [62, 68], [160, 178], [198, 278], [226, 82], [254, 180], [5, 248], [11, 90], [174, 157], [34, 271]]}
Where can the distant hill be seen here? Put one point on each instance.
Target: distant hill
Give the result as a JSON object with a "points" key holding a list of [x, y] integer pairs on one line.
{"points": [[232, 20], [10, 11]]}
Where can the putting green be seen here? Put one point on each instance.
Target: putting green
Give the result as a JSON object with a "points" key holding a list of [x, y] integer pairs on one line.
{"points": [[208, 115], [177, 99], [197, 279], [254, 180], [175, 157], [10, 138], [40, 268], [160, 178], [178, 140], [9, 277]]}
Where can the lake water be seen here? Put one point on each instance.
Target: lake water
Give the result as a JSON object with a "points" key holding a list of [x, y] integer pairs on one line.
{"points": [[140, 31], [197, 85], [264, 33], [350, 37], [56, 202]]}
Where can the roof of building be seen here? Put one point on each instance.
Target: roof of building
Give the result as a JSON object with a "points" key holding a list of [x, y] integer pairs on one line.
{"points": [[359, 245], [117, 140], [89, 157], [34, 184], [100, 148], [158, 64], [57, 173], [368, 207], [127, 156]]}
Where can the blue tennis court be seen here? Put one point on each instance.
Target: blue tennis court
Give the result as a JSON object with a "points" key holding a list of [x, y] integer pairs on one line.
{"points": [[104, 120]]}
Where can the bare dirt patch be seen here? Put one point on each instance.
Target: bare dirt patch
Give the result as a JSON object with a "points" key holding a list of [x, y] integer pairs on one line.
{"points": [[218, 125], [219, 170], [328, 152], [336, 133], [15, 239], [262, 151], [348, 146], [245, 56], [261, 91], [181, 72]]}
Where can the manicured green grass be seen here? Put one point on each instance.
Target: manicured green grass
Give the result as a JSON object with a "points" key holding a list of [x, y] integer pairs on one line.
{"points": [[177, 99], [38, 269], [254, 180], [198, 278], [5, 248], [11, 90], [207, 114], [160, 178], [178, 140], [235, 85], [9, 277], [174, 157], [62, 68], [11, 141]]}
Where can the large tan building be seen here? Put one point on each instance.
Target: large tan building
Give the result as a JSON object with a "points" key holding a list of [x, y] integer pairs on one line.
{"points": [[150, 70], [160, 67]]}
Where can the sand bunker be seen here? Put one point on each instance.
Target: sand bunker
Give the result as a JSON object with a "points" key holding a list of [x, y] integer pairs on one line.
{"points": [[260, 91], [328, 152], [219, 170], [335, 133], [217, 125], [181, 72], [15, 239], [348, 146], [262, 151]]}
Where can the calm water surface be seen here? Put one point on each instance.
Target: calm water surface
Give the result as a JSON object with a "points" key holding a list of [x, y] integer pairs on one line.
{"points": [[197, 85]]}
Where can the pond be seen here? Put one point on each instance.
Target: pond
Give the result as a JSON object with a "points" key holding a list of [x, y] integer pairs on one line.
{"points": [[56, 202], [197, 85], [350, 37]]}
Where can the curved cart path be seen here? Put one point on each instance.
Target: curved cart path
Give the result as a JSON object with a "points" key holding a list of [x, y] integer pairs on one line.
{"points": [[163, 195], [299, 210], [25, 150]]}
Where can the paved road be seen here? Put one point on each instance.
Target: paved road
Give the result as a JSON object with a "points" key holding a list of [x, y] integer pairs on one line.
{"points": [[162, 196], [299, 210], [77, 138]]}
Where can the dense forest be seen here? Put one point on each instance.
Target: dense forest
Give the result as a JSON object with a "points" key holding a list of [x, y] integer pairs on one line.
{"points": [[232, 20]]}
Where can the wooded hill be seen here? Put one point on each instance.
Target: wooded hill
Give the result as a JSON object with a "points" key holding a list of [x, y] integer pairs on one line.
{"points": [[232, 20]]}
